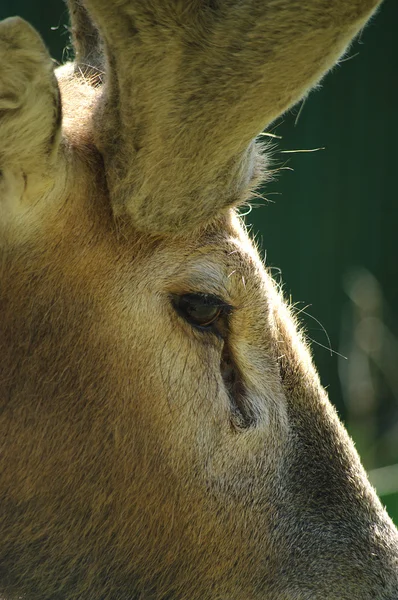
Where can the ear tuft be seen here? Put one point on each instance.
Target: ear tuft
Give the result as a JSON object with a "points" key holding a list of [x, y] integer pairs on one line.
{"points": [[87, 43]]}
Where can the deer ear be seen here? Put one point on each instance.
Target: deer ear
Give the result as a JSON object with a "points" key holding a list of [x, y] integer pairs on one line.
{"points": [[189, 87], [30, 108]]}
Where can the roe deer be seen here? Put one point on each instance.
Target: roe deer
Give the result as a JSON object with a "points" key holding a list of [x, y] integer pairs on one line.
{"points": [[164, 435]]}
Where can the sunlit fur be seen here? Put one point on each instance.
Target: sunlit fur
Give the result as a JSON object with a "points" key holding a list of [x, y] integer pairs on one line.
{"points": [[125, 473]]}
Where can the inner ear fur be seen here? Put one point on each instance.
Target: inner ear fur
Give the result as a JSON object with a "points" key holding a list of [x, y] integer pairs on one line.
{"points": [[188, 86]]}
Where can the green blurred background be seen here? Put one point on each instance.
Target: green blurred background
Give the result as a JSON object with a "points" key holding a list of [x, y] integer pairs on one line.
{"points": [[328, 225]]}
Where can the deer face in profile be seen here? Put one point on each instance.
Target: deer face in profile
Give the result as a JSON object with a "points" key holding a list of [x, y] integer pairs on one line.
{"points": [[164, 435]]}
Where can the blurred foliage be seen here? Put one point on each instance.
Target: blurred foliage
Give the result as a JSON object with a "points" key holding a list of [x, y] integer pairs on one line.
{"points": [[330, 226]]}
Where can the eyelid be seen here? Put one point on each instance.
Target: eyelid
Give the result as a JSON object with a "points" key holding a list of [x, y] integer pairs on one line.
{"points": [[216, 300]]}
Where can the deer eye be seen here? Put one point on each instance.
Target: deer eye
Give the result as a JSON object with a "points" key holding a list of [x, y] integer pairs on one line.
{"points": [[200, 310]]}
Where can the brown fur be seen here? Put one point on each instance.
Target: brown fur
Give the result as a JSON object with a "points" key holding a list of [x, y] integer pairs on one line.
{"points": [[126, 472]]}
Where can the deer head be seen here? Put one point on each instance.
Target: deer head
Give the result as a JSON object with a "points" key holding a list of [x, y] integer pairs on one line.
{"points": [[164, 435]]}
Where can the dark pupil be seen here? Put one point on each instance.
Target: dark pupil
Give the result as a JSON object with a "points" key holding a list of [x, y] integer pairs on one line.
{"points": [[199, 309]]}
